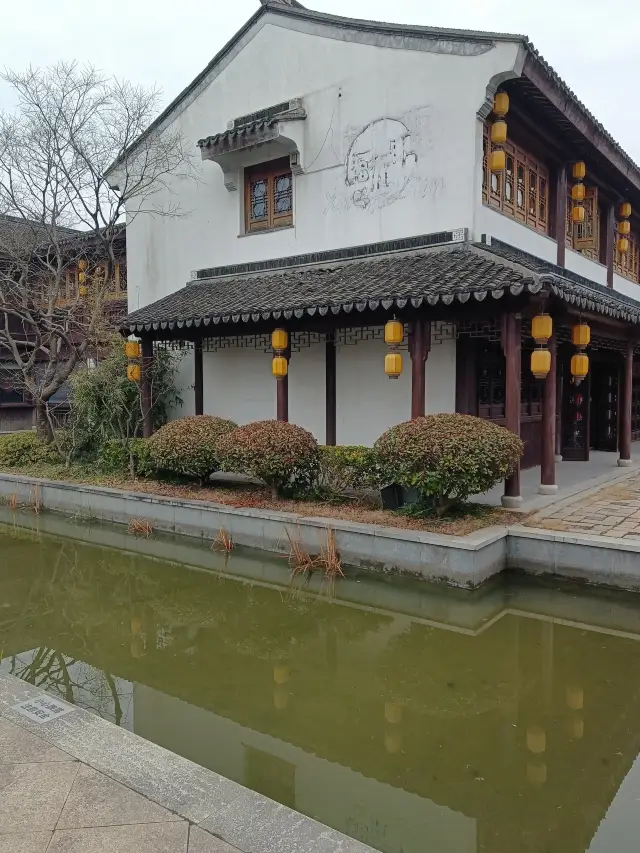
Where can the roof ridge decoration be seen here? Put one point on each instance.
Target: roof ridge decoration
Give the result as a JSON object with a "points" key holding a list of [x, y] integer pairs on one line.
{"points": [[291, 3]]}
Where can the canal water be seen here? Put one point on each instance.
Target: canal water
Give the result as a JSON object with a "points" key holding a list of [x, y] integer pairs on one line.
{"points": [[411, 717]]}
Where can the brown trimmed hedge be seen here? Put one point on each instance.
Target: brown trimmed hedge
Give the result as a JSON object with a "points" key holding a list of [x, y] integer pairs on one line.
{"points": [[447, 458], [188, 446]]}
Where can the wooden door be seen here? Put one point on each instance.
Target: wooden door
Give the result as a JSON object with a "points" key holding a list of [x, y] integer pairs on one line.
{"points": [[605, 384], [575, 416]]}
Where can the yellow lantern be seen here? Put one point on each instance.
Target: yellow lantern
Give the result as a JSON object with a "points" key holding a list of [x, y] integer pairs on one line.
{"points": [[579, 367], [575, 697], [623, 245], [536, 772], [281, 674], [497, 161], [279, 340], [393, 364], [581, 335], [576, 727], [624, 228], [501, 104], [83, 290], [280, 698], [82, 265], [82, 277], [578, 192], [393, 333], [132, 349], [393, 713], [541, 328], [133, 372], [577, 214], [625, 210], [579, 171], [499, 132], [536, 739], [279, 367], [136, 624], [540, 363]]}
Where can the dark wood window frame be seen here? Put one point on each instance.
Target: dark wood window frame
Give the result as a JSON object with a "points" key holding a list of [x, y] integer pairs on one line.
{"points": [[268, 196]]}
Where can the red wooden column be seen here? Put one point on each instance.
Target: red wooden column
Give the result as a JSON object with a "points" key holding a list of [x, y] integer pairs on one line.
{"points": [[548, 484], [511, 345], [282, 392], [609, 244], [198, 379], [625, 415], [330, 392], [419, 347], [560, 217], [146, 400]]}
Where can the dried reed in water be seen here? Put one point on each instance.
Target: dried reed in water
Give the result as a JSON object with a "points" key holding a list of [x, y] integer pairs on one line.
{"points": [[141, 527], [223, 542]]}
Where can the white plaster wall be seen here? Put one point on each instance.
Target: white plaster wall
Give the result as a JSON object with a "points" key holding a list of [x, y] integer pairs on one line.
{"points": [[184, 382], [629, 288], [495, 224], [345, 86], [238, 385], [585, 266], [307, 390]]}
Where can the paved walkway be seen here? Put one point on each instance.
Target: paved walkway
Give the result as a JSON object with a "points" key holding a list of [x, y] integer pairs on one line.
{"points": [[52, 803]]}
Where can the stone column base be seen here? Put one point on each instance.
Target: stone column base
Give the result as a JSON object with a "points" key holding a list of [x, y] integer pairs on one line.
{"points": [[509, 502], [559, 457], [625, 463], [547, 490]]}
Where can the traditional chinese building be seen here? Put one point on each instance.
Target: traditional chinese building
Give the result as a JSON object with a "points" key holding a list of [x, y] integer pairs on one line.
{"points": [[353, 172]]}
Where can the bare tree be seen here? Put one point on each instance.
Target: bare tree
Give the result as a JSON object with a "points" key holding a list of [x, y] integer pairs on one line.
{"points": [[58, 212]]}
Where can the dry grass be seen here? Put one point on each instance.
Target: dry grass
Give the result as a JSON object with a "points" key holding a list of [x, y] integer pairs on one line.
{"points": [[140, 527], [460, 523], [223, 542], [327, 561]]}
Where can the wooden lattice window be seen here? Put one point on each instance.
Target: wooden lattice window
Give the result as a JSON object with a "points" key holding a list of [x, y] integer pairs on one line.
{"points": [[584, 237], [269, 196], [627, 264], [522, 190]]}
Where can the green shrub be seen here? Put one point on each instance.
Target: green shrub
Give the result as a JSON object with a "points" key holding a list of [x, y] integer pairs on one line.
{"points": [[284, 455], [121, 457], [25, 448], [188, 446], [349, 468], [447, 458]]}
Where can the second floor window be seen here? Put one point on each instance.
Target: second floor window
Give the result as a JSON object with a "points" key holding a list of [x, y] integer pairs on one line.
{"points": [[269, 196], [627, 264], [522, 190]]}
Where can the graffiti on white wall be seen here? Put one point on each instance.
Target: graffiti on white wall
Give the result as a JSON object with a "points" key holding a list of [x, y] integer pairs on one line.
{"points": [[383, 165]]}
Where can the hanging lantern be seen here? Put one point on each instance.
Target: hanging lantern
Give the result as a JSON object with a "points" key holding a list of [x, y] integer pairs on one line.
{"points": [[82, 277], [82, 265], [575, 697], [83, 290], [280, 698], [536, 772], [540, 363], [579, 367], [279, 367], [393, 364], [279, 340], [281, 674], [622, 245], [499, 132], [541, 328], [578, 192], [581, 335], [393, 713], [497, 161], [501, 104], [393, 333], [577, 214], [132, 349], [536, 739], [576, 727], [579, 171], [133, 372], [625, 210], [624, 228]]}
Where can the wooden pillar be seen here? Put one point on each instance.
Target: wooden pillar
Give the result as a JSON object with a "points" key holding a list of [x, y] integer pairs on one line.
{"points": [[610, 234], [419, 346], [330, 392], [146, 401], [549, 399], [282, 392], [626, 399], [559, 393], [560, 219], [511, 345], [199, 379]]}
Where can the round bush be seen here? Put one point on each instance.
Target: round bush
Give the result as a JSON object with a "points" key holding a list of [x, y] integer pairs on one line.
{"points": [[188, 446], [284, 455], [448, 458], [25, 448]]}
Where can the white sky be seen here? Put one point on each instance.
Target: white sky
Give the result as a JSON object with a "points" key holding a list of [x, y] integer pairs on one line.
{"points": [[593, 44]]}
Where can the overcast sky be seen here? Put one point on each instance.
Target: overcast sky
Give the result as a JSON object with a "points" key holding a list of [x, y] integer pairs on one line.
{"points": [[593, 44]]}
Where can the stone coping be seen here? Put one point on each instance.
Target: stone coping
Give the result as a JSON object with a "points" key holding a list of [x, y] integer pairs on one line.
{"points": [[222, 808]]}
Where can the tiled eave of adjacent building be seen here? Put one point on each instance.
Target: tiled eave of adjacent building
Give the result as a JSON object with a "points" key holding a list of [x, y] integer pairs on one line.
{"points": [[396, 278]]}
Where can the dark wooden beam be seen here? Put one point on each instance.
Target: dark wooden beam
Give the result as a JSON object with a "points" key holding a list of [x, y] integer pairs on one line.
{"points": [[146, 400], [548, 438], [560, 214], [419, 347], [199, 378], [511, 346], [330, 392], [282, 392], [609, 236], [626, 399]]}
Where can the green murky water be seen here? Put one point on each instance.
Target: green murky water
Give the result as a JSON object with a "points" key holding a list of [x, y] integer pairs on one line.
{"points": [[410, 717]]}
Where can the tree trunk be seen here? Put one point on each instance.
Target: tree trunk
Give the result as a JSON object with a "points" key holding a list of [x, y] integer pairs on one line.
{"points": [[43, 426]]}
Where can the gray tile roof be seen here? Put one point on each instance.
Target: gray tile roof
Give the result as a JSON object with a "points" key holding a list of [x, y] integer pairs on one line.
{"points": [[445, 275]]}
